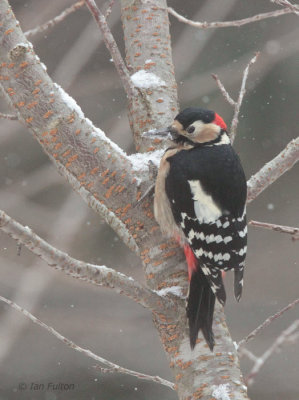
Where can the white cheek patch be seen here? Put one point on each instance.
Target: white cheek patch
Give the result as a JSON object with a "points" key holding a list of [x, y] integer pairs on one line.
{"points": [[204, 206], [198, 125]]}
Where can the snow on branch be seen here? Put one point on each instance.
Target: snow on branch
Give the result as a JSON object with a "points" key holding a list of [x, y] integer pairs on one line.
{"points": [[146, 80], [229, 24], [272, 170], [55, 20], [112, 47], [236, 104], [221, 392], [95, 274], [113, 367], [278, 228], [266, 323]]}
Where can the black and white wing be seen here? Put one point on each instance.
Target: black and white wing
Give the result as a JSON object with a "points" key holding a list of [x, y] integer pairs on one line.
{"points": [[208, 199]]}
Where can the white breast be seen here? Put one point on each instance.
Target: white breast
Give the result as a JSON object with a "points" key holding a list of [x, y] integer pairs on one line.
{"points": [[204, 206]]}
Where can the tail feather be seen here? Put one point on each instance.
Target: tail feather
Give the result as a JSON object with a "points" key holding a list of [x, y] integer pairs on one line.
{"points": [[207, 328], [238, 283], [214, 277], [200, 308]]}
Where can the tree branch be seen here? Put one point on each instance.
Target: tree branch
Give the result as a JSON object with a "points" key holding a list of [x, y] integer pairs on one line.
{"points": [[148, 49], [95, 166], [294, 8], [224, 92], [59, 18], [266, 323], [272, 170], [236, 104], [288, 335], [86, 352], [139, 375], [278, 228], [112, 47], [245, 352], [108, 8], [235, 120], [12, 117], [229, 24], [287, 44], [95, 274]]}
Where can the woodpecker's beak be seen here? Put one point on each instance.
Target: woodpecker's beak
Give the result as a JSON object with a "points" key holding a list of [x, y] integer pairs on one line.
{"points": [[169, 133]]}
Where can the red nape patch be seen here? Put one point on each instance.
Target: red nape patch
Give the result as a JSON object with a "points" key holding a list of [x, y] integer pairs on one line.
{"points": [[219, 121], [191, 260]]}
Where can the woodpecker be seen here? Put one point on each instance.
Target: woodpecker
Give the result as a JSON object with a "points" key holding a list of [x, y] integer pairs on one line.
{"points": [[200, 196]]}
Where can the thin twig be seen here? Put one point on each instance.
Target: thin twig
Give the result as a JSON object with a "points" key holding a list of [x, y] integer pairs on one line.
{"points": [[278, 228], [12, 117], [229, 24], [138, 375], [294, 8], [112, 47], [55, 20], [235, 120], [272, 170], [223, 91], [236, 104], [288, 335], [88, 353], [266, 323], [65, 13], [248, 354], [108, 8], [95, 274]]}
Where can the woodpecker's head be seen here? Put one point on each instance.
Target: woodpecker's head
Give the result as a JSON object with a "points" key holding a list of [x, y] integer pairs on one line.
{"points": [[197, 126]]}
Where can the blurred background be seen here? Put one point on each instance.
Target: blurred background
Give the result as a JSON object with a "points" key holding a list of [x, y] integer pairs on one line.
{"points": [[34, 193]]}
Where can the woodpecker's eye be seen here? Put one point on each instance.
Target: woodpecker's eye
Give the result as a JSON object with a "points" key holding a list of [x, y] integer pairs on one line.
{"points": [[190, 129]]}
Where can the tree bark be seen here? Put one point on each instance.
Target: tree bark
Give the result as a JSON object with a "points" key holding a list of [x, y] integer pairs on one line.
{"points": [[148, 47]]}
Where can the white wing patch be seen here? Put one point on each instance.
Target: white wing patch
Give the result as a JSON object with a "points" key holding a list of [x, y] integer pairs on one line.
{"points": [[204, 206], [217, 257], [243, 251], [243, 233]]}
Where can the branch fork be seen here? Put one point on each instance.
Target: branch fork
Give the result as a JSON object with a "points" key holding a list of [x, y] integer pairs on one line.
{"points": [[236, 104]]}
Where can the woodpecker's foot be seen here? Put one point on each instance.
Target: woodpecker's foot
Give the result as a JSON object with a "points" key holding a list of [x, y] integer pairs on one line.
{"points": [[153, 171]]}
